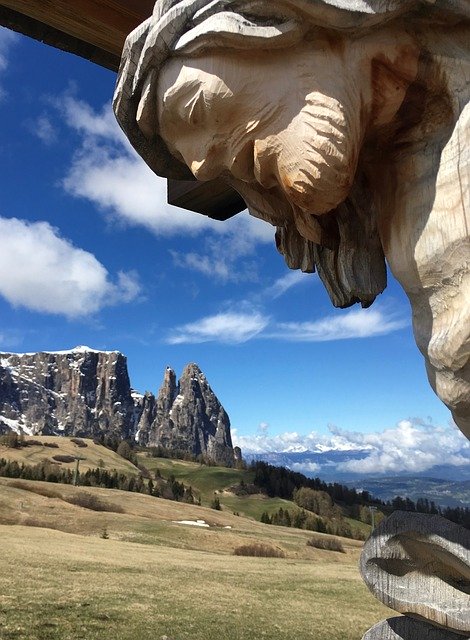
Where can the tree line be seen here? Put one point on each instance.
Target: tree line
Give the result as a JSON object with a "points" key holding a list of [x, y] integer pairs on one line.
{"points": [[170, 488], [283, 483]]}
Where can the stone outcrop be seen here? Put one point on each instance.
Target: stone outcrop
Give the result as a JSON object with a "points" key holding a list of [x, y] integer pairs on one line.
{"points": [[187, 416], [87, 393], [81, 392]]}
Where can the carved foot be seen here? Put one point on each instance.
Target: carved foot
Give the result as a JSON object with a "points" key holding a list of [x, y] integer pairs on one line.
{"points": [[420, 565], [405, 628]]}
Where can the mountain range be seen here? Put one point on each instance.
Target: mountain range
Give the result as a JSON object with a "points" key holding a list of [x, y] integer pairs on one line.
{"points": [[87, 393]]}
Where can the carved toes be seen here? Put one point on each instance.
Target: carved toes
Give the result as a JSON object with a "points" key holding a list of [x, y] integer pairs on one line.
{"points": [[405, 628], [420, 565]]}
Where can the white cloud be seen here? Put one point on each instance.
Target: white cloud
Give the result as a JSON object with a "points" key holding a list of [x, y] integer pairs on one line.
{"points": [[43, 272], [283, 284], [241, 327], [43, 128], [307, 467], [358, 323], [80, 116], [232, 328], [412, 446], [263, 427], [109, 173]]}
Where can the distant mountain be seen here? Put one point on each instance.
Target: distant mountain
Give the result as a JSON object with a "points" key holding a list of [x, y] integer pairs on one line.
{"points": [[325, 463], [446, 485], [87, 393], [445, 493]]}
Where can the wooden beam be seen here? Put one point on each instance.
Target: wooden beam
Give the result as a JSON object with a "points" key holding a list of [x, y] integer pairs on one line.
{"points": [[214, 198], [58, 39], [96, 30], [103, 25]]}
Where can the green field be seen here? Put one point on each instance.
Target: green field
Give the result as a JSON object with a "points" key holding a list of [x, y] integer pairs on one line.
{"points": [[153, 577], [211, 481]]}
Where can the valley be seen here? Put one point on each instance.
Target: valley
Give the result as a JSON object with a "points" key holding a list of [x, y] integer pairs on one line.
{"points": [[132, 570], [153, 577]]}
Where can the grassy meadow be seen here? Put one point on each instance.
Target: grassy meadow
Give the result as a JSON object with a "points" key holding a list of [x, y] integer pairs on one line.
{"points": [[132, 571], [92, 456]]}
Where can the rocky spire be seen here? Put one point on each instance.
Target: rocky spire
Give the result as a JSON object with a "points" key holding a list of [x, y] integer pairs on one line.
{"points": [[189, 417]]}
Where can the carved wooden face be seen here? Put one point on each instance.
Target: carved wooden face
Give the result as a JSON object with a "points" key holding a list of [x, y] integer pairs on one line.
{"points": [[292, 121], [265, 118]]}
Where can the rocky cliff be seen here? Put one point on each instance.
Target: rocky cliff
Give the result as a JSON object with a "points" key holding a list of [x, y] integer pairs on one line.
{"points": [[81, 392], [84, 392], [187, 416]]}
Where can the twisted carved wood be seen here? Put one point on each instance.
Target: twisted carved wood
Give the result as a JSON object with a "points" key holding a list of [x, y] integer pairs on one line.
{"points": [[419, 565], [405, 628]]}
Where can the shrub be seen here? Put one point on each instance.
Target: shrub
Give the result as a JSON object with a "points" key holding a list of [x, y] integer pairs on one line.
{"points": [[144, 472], [330, 544], [51, 445], [259, 551], [89, 501], [38, 489], [104, 534], [12, 440], [32, 443], [79, 442], [64, 458], [215, 504]]}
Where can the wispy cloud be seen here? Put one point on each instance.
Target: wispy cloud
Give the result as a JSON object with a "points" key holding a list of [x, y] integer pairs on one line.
{"points": [[44, 272], [358, 323], [232, 328], [229, 256], [355, 324], [43, 129], [10, 339], [283, 284]]}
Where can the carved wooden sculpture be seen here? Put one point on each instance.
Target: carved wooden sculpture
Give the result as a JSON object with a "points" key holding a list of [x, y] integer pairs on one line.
{"points": [[419, 565], [405, 628], [345, 124]]}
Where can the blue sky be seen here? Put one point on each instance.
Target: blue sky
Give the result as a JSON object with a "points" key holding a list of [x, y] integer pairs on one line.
{"points": [[92, 254]]}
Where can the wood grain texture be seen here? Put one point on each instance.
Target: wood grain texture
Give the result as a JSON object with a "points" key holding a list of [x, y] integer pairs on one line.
{"points": [[419, 564], [405, 628], [104, 24]]}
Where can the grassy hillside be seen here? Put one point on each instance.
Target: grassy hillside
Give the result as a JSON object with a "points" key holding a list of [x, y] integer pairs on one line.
{"points": [[207, 481], [217, 480], [93, 454], [156, 577], [210, 480]]}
